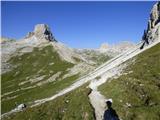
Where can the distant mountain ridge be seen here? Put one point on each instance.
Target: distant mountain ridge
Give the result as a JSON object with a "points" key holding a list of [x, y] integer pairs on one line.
{"points": [[116, 48], [42, 36]]}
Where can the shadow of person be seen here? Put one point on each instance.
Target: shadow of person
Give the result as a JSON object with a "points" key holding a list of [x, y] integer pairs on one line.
{"points": [[110, 113]]}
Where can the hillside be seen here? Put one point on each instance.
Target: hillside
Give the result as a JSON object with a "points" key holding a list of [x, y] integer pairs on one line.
{"points": [[65, 107], [57, 82], [41, 70], [136, 92], [40, 63]]}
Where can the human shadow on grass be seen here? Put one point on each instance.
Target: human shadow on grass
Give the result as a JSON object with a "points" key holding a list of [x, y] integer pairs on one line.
{"points": [[110, 113]]}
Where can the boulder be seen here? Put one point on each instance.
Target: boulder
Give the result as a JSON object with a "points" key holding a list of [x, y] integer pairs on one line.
{"points": [[155, 15], [20, 107]]}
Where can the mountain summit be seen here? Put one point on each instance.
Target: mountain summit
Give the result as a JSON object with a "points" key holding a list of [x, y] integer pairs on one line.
{"points": [[153, 31], [154, 16], [41, 32]]}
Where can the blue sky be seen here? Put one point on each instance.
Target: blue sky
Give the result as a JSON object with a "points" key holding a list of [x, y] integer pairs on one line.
{"points": [[78, 24]]}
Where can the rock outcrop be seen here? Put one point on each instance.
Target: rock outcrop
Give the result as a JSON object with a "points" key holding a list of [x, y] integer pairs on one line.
{"points": [[153, 31], [154, 16], [42, 32]]}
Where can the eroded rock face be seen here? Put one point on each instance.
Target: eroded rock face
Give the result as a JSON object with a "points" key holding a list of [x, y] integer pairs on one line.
{"points": [[154, 16], [30, 34], [153, 31], [42, 32]]}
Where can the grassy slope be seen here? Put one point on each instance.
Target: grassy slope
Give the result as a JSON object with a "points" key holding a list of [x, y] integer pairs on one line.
{"points": [[30, 66], [98, 58], [141, 88], [72, 106]]}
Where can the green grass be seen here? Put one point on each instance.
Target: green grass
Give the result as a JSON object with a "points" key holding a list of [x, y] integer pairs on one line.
{"points": [[98, 58], [37, 93], [30, 66], [140, 88], [71, 106]]}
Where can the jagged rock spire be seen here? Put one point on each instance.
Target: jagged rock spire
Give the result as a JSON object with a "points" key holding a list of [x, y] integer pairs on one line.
{"points": [[42, 32], [154, 16], [153, 31]]}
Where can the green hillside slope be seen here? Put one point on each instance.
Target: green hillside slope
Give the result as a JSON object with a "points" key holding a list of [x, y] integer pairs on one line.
{"points": [[72, 106], [136, 95], [27, 81]]}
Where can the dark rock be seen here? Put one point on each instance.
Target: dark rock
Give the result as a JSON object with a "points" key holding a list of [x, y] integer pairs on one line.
{"points": [[42, 31]]}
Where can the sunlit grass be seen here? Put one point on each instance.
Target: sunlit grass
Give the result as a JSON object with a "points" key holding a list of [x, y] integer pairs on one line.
{"points": [[29, 66], [139, 88], [71, 106]]}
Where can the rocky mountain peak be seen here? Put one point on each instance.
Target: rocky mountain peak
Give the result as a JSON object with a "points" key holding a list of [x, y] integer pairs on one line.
{"points": [[42, 32], [153, 31], [154, 16]]}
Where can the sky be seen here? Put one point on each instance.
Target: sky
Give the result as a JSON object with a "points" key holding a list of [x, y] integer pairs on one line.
{"points": [[78, 24]]}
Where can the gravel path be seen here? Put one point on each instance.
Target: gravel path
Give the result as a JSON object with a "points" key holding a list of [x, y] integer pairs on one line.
{"points": [[97, 100]]}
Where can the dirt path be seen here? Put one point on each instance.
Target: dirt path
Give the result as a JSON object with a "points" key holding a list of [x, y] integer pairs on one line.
{"points": [[97, 100]]}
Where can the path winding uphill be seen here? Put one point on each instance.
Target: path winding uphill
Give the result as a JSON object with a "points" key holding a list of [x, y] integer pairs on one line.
{"points": [[109, 69], [97, 100], [113, 69]]}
